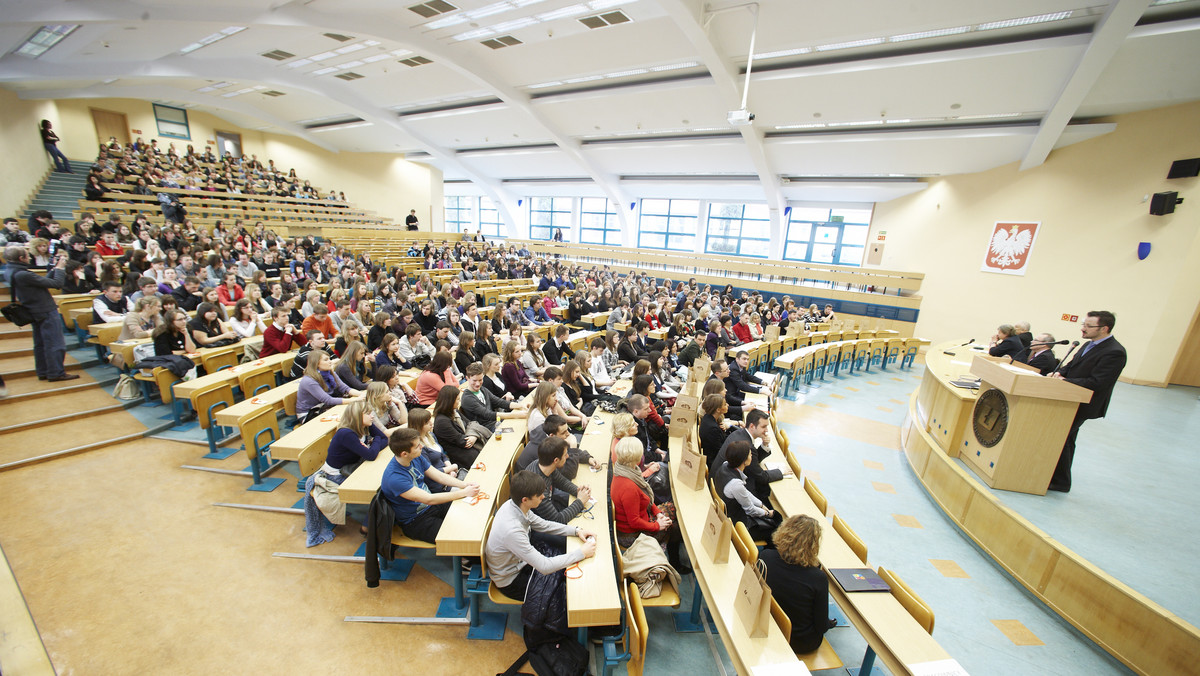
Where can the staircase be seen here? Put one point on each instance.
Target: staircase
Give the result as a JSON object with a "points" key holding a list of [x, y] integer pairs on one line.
{"points": [[61, 193]]}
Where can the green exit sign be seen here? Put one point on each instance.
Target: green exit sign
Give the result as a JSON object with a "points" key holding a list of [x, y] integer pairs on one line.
{"points": [[837, 219]]}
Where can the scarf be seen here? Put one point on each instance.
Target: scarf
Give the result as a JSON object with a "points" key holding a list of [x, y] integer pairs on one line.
{"points": [[330, 383], [635, 476]]}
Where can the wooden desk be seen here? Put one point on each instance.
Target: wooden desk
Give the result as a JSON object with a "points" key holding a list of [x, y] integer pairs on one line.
{"points": [[314, 433], [276, 362], [462, 529], [943, 409], [594, 600], [272, 398], [719, 581]]}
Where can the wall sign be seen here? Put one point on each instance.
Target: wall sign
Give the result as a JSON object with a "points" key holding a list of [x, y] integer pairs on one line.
{"points": [[1010, 247]]}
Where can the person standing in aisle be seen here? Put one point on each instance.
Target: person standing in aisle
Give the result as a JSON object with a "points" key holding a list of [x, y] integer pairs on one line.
{"points": [[33, 291], [411, 222]]}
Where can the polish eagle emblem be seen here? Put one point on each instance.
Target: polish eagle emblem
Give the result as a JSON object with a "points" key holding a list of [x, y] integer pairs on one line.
{"points": [[1008, 248]]}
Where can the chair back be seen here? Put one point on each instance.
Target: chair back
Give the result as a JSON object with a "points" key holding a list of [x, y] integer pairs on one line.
{"points": [[915, 606], [744, 544], [217, 393], [639, 630], [311, 459], [856, 544], [254, 426], [817, 496], [253, 380], [793, 463], [289, 402], [164, 379], [781, 618], [219, 359]]}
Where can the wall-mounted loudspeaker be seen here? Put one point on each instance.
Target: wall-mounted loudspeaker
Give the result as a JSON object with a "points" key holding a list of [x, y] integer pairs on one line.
{"points": [[1185, 168], [1163, 203]]}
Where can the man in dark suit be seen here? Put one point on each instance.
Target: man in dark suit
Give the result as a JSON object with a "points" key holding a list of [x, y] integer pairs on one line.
{"points": [[741, 379], [1096, 367], [755, 433], [1040, 354], [1023, 333], [556, 349]]}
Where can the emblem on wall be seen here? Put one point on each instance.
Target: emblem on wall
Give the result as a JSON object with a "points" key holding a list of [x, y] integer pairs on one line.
{"points": [[989, 420], [1009, 247]]}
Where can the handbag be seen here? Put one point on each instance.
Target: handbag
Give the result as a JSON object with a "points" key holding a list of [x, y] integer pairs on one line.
{"points": [[127, 388], [15, 312]]}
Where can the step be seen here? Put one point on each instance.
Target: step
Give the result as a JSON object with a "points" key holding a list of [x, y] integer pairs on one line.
{"points": [[75, 435], [9, 331], [15, 368], [22, 389], [25, 413]]}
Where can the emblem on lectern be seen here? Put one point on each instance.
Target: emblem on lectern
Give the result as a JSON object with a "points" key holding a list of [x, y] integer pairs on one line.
{"points": [[989, 420]]}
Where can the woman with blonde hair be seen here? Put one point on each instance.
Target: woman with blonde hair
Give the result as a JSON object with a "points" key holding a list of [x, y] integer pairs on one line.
{"points": [[421, 420], [634, 509], [543, 404], [797, 581], [356, 440], [379, 402], [143, 320]]}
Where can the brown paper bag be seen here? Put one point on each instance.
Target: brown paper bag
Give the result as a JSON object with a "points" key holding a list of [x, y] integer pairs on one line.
{"points": [[771, 333], [720, 353], [718, 532], [684, 415], [692, 466], [753, 602], [701, 369]]}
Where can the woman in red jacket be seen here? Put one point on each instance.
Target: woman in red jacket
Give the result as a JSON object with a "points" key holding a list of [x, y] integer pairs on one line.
{"points": [[633, 506], [435, 376]]}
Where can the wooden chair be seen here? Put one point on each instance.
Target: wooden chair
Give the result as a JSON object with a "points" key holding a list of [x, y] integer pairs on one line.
{"points": [[856, 544], [895, 346], [817, 496], [794, 464], [911, 347], [217, 360], [833, 357], [253, 427], [289, 407], [669, 598], [820, 659], [207, 402], [920, 611], [744, 547], [253, 381], [818, 360], [741, 532]]}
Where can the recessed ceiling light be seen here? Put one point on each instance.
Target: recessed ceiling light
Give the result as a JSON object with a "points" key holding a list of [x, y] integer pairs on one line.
{"points": [[322, 56], [349, 49], [562, 12], [866, 42], [1024, 21], [324, 71], [936, 33], [215, 37]]}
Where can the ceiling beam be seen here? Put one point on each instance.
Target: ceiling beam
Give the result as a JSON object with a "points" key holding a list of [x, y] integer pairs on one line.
{"points": [[688, 17], [1110, 33]]}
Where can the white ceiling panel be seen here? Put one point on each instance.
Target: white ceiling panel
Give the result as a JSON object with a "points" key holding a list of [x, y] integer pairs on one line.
{"points": [[472, 127], [691, 105], [1148, 72], [549, 162], [719, 156]]}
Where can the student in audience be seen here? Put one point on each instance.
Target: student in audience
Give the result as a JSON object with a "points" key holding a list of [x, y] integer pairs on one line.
{"points": [[634, 508], [320, 389], [188, 295], [356, 440], [511, 558], [110, 306], [742, 504], [533, 359], [388, 353], [797, 581], [627, 350], [597, 366], [484, 343], [463, 356], [580, 390], [352, 366], [741, 379], [315, 340], [543, 404], [405, 485], [552, 456], [207, 329], [556, 349], [421, 419], [245, 322], [379, 328], [230, 292], [481, 406], [280, 335], [492, 381], [437, 375], [516, 379], [755, 433], [319, 319], [714, 428], [172, 336], [143, 320], [555, 426], [571, 412], [414, 347], [450, 429]]}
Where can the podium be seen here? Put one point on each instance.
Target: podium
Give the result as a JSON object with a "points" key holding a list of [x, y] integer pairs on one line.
{"points": [[1018, 426]]}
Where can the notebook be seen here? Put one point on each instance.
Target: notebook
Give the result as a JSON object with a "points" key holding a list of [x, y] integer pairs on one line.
{"points": [[966, 383], [859, 579]]}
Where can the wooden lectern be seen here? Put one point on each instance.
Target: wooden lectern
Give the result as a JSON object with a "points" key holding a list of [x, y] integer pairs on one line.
{"points": [[1018, 426]]}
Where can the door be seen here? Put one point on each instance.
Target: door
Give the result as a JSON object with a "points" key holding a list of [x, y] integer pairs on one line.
{"points": [[229, 142], [110, 124]]}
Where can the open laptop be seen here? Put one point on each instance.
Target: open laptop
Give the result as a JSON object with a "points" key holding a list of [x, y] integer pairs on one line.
{"points": [[859, 579]]}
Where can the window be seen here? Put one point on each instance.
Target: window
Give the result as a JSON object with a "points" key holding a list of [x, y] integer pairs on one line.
{"points": [[172, 122], [460, 213], [490, 224], [833, 236], [739, 229], [548, 213], [668, 224], [598, 222]]}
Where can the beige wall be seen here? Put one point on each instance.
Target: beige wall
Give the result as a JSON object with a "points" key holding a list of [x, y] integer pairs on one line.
{"points": [[26, 161], [1088, 198], [384, 183]]}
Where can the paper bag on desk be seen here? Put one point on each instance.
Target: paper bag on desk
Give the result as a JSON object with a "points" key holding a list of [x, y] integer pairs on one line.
{"points": [[753, 602], [692, 467], [683, 415], [771, 333], [717, 534], [701, 369], [720, 353]]}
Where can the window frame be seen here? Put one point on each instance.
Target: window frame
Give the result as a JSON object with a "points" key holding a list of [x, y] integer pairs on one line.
{"points": [[839, 246], [159, 120], [554, 212], [672, 220], [457, 222], [740, 237], [609, 218]]}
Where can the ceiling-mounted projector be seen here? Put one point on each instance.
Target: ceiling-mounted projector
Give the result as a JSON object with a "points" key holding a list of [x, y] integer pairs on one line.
{"points": [[740, 118]]}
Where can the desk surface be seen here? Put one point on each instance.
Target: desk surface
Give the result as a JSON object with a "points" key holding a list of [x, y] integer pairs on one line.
{"points": [[188, 388], [272, 398], [462, 529], [595, 599], [313, 432]]}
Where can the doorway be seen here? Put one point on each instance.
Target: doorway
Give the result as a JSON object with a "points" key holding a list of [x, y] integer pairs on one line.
{"points": [[110, 124], [228, 142]]}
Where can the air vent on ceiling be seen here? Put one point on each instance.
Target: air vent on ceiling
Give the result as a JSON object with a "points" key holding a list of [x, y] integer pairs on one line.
{"points": [[414, 61], [502, 42], [602, 20], [433, 8], [339, 37], [349, 76], [272, 92], [279, 55]]}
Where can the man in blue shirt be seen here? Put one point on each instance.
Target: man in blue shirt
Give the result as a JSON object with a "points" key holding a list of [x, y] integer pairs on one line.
{"points": [[418, 511]]}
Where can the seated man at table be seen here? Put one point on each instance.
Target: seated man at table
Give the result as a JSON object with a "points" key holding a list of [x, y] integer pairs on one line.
{"points": [[109, 306], [314, 340], [755, 434], [483, 407], [279, 336], [1040, 354], [404, 485], [552, 455], [511, 559], [555, 426], [740, 378], [556, 349]]}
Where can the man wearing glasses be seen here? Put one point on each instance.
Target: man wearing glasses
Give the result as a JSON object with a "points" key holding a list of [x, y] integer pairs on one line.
{"points": [[1096, 367]]}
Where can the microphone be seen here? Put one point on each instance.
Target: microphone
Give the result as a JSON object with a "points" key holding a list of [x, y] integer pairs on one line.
{"points": [[1064, 359], [951, 351], [967, 343], [1061, 342]]}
